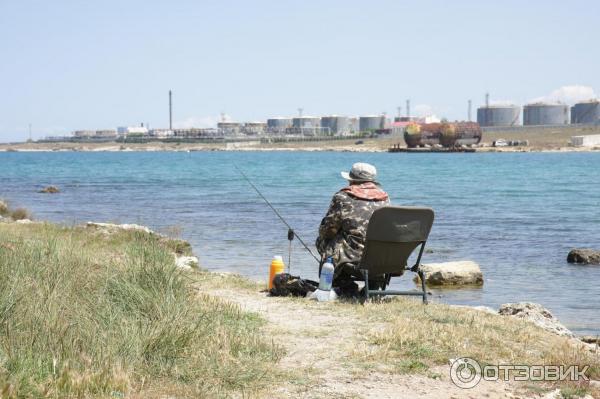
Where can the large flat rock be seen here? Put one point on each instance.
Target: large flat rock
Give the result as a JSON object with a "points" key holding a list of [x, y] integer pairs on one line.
{"points": [[452, 273], [585, 256]]}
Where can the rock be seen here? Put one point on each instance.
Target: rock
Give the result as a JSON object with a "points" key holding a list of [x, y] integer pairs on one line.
{"points": [[186, 262], [584, 255], [176, 245], [553, 395], [536, 314], [179, 246], [590, 339], [23, 221], [452, 273], [49, 190], [110, 227], [485, 309]]}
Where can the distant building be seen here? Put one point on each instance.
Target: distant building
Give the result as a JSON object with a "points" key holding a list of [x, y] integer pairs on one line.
{"points": [[254, 128], [335, 125], [371, 123], [499, 115], [406, 119], [429, 119], [278, 125], [592, 140], [106, 133], [586, 112], [161, 133], [545, 114], [194, 132], [229, 128], [84, 133], [399, 127], [126, 130]]}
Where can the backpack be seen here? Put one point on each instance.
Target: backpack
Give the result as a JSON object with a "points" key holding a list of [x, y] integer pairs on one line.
{"points": [[285, 284]]}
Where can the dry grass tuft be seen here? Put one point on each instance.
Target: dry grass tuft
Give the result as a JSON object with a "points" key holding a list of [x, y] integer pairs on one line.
{"points": [[88, 316], [15, 214], [417, 337], [20, 214]]}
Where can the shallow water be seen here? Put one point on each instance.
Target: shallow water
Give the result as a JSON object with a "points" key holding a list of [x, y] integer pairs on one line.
{"points": [[516, 214]]}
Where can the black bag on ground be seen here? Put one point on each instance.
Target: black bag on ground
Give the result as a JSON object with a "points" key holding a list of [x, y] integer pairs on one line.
{"points": [[285, 284]]}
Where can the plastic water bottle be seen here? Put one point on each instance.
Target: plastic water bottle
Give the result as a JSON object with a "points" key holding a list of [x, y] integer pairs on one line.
{"points": [[326, 275]]}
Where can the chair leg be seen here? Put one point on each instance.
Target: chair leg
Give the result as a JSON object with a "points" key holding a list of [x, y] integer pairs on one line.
{"points": [[366, 274], [422, 277]]}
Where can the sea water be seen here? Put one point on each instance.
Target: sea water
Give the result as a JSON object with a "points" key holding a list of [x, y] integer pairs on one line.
{"points": [[516, 214]]}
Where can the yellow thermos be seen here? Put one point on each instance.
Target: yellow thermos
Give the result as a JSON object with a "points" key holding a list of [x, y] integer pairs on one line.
{"points": [[277, 267]]}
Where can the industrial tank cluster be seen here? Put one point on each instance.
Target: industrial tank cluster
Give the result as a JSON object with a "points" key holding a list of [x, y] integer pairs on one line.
{"points": [[326, 125], [537, 114]]}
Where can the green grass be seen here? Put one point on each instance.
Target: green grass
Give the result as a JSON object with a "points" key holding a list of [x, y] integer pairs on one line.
{"points": [[84, 314]]}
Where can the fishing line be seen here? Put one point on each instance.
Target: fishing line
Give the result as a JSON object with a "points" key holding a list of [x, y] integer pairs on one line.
{"points": [[291, 232]]}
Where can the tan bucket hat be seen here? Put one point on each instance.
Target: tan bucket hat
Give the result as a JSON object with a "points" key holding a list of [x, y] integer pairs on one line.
{"points": [[361, 172]]}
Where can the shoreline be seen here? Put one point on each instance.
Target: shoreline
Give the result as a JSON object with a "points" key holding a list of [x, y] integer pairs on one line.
{"points": [[373, 146], [539, 139], [108, 228]]}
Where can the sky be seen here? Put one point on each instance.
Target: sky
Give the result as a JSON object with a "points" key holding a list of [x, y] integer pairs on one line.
{"points": [[68, 65]]}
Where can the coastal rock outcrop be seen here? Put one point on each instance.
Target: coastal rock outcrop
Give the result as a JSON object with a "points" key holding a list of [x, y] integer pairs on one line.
{"points": [[536, 314], [50, 190], [186, 262], [3, 208], [452, 273], [111, 227], [585, 256], [180, 248]]}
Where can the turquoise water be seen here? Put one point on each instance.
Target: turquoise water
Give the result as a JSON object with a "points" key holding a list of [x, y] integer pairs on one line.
{"points": [[516, 214]]}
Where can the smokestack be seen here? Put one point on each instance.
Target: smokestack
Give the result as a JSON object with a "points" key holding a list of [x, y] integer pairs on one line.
{"points": [[469, 112], [399, 111], [408, 108], [170, 111], [487, 100], [300, 110]]}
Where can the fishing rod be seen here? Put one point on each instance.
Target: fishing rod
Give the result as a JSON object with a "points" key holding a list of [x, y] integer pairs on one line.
{"points": [[291, 232]]}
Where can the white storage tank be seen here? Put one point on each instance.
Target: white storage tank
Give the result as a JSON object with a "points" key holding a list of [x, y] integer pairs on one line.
{"points": [[499, 115], [586, 112], [545, 114], [278, 125], [335, 125], [370, 123]]}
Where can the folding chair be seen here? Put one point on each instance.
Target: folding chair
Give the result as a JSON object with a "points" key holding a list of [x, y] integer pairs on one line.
{"points": [[393, 234]]}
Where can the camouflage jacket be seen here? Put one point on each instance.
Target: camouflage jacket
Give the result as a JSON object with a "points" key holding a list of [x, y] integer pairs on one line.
{"points": [[343, 229]]}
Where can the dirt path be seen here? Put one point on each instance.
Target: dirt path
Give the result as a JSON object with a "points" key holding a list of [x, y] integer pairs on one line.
{"points": [[323, 346]]}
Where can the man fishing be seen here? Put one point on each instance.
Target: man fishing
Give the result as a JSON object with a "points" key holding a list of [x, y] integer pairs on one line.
{"points": [[343, 229]]}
